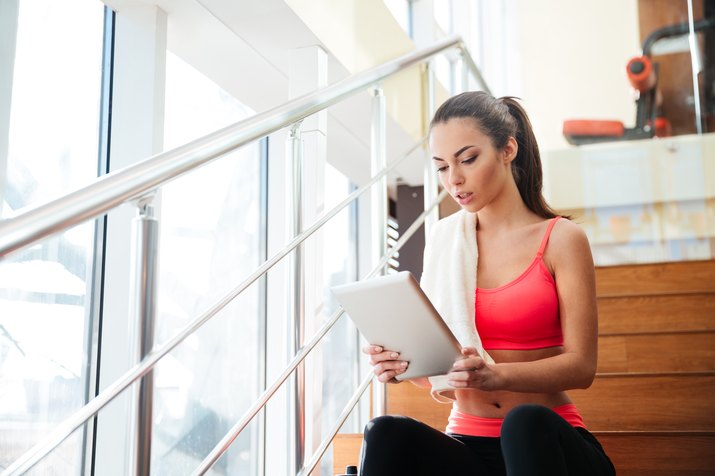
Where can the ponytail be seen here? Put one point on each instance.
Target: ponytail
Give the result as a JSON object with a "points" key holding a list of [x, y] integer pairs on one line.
{"points": [[500, 119], [526, 167]]}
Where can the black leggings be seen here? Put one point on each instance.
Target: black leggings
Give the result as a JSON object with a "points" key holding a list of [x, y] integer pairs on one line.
{"points": [[534, 441]]}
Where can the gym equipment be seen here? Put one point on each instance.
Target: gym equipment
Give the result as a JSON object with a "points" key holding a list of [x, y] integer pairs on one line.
{"points": [[643, 75]]}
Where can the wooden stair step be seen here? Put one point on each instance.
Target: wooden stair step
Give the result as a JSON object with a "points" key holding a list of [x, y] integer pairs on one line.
{"points": [[646, 402], [656, 279], [346, 451], [632, 453], [671, 352], [660, 453], [649, 402], [667, 313], [409, 400]]}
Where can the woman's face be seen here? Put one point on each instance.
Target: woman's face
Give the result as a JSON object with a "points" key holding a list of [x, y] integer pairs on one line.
{"points": [[469, 166]]}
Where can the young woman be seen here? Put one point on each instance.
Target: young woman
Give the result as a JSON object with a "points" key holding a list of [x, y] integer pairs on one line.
{"points": [[535, 312]]}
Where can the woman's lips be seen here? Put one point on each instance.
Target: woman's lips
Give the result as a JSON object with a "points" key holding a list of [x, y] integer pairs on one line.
{"points": [[464, 197]]}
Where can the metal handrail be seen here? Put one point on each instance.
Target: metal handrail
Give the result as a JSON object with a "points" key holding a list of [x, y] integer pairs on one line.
{"points": [[411, 230], [138, 180], [65, 429], [226, 441], [354, 399]]}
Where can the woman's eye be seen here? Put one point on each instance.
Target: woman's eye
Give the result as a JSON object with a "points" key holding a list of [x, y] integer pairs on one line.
{"points": [[441, 169], [469, 160]]}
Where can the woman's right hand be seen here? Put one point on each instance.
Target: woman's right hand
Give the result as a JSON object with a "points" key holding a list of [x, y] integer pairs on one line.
{"points": [[385, 363]]}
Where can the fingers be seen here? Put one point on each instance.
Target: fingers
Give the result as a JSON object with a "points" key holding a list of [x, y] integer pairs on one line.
{"points": [[469, 362], [466, 372], [386, 365], [389, 369], [372, 349], [378, 354]]}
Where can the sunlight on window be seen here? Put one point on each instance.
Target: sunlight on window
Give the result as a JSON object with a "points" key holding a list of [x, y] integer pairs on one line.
{"points": [[209, 242], [53, 142]]}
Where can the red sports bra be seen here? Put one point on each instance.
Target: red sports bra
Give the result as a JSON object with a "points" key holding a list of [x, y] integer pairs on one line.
{"points": [[523, 314]]}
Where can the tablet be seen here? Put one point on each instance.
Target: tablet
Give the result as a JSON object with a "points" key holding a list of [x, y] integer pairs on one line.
{"points": [[392, 311]]}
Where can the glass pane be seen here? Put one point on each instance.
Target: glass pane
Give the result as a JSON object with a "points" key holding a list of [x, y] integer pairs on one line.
{"points": [[209, 242], [340, 345], [44, 304], [400, 9]]}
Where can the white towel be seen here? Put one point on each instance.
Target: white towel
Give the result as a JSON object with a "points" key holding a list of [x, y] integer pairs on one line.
{"points": [[449, 278]]}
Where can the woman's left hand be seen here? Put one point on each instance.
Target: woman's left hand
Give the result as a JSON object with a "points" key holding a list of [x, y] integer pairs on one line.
{"points": [[472, 372]]}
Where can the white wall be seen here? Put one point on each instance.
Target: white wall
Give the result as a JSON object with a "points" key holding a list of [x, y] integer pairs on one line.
{"points": [[572, 56]]}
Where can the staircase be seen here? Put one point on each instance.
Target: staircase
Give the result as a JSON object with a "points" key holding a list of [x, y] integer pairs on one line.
{"points": [[652, 404]]}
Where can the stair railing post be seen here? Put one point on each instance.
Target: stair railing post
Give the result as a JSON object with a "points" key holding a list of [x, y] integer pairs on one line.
{"points": [[145, 230], [696, 67], [296, 286], [431, 189], [464, 70], [378, 202]]}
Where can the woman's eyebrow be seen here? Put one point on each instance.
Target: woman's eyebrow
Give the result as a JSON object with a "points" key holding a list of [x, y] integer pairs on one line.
{"points": [[456, 154]]}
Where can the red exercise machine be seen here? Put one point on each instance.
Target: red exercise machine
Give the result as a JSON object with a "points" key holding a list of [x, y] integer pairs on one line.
{"points": [[643, 76]]}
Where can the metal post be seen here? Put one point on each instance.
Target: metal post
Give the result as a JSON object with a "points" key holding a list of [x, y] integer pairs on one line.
{"points": [[453, 85], [296, 329], [464, 70], [143, 290], [378, 201], [9, 13], [695, 66], [430, 176]]}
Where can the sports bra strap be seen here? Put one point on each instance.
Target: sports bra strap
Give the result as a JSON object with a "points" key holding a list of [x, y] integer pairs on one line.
{"points": [[546, 236]]}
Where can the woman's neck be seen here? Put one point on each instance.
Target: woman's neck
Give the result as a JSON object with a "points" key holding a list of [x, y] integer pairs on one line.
{"points": [[506, 212]]}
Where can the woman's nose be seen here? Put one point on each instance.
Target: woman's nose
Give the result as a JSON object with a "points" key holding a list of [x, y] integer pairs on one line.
{"points": [[455, 178]]}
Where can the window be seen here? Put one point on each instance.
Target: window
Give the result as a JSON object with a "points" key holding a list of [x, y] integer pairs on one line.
{"points": [[210, 240], [45, 323], [340, 372], [402, 11]]}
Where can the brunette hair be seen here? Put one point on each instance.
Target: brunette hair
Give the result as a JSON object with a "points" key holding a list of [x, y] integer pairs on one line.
{"points": [[500, 119]]}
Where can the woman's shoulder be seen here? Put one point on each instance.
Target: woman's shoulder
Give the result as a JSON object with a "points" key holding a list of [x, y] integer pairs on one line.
{"points": [[567, 229], [568, 239]]}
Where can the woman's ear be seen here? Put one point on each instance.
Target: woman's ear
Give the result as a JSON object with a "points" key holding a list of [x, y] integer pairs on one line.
{"points": [[510, 150]]}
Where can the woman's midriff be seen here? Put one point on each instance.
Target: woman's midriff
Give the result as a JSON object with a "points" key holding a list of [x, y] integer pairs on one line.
{"points": [[497, 404]]}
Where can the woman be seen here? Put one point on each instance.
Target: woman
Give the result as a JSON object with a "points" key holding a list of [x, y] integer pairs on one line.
{"points": [[535, 313]]}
